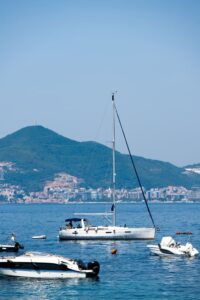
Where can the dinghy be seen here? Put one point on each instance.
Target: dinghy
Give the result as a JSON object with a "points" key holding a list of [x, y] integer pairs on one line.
{"points": [[39, 237]]}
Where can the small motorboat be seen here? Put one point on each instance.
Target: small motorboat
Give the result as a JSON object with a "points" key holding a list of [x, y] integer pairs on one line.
{"points": [[14, 247], [39, 237], [44, 265], [11, 248], [168, 246]]}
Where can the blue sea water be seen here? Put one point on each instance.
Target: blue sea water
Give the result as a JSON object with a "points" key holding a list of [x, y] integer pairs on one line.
{"points": [[130, 274]]}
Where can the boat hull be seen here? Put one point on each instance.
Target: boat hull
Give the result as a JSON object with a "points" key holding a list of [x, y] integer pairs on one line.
{"points": [[45, 274], [107, 233], [155, 250], [39, 237], [9, 249], [169, 251]]}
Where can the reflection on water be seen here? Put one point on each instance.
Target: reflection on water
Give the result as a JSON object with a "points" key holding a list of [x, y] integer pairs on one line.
{"points": [[45, 288]]}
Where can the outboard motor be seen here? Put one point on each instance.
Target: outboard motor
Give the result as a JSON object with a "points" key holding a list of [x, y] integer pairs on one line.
{"points": [[94, 266], [18, 246]]}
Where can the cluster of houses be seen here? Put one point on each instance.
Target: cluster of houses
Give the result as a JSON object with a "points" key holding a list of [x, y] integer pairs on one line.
{"points": [[66, 188]]}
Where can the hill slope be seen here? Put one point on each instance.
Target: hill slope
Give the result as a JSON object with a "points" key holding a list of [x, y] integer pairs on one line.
{"points": [[39, 153]]}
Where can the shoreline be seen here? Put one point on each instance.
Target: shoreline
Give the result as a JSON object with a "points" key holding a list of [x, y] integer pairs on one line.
{"points": [[104, 202]]}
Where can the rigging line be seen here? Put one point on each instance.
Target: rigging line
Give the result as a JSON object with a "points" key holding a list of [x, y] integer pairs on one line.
{"points": [[134, 167], [88, 164], [96, 137]]}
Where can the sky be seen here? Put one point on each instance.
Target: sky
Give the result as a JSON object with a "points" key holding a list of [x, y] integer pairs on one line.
{"points": [[61, 60]]}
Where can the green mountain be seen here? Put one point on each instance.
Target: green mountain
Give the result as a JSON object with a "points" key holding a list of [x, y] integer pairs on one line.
{"points": [[39, 153]]}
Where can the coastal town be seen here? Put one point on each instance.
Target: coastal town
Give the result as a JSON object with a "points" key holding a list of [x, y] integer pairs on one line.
{"points": [[68, 189]]}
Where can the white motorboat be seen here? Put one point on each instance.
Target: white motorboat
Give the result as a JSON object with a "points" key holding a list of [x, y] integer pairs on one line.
{"points": [[42, 265], [79, 229], [14, 247], [168, 246], [11, 248]]}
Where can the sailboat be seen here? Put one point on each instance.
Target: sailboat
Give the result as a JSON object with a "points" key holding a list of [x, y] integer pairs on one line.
{"points": [[81, 229]]}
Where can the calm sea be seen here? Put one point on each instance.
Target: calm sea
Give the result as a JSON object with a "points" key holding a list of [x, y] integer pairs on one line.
{"points": [[130, 274]]}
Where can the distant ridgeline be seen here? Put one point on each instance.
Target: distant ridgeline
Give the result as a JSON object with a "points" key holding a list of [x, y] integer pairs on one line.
{"points": [[33, 155]]}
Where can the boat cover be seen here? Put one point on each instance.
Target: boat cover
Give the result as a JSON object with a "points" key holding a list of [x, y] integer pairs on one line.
{"points": [[75, 220], [167, 241]]}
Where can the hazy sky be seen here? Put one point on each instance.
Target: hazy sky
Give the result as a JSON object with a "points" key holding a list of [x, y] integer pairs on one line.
{"points": [[61, 60]]}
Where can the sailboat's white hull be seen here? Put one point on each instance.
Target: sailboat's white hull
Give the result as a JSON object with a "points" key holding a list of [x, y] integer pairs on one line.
{"points": [[107, 233]]}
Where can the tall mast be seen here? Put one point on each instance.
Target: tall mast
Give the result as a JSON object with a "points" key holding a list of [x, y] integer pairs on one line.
{"points": [[114, 167]]}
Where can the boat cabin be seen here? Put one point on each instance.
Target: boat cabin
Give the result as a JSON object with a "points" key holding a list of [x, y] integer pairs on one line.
{"points": [[77, 223]]}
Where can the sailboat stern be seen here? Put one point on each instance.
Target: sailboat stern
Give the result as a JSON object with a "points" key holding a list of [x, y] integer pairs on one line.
{"points": [[134, 233]]}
